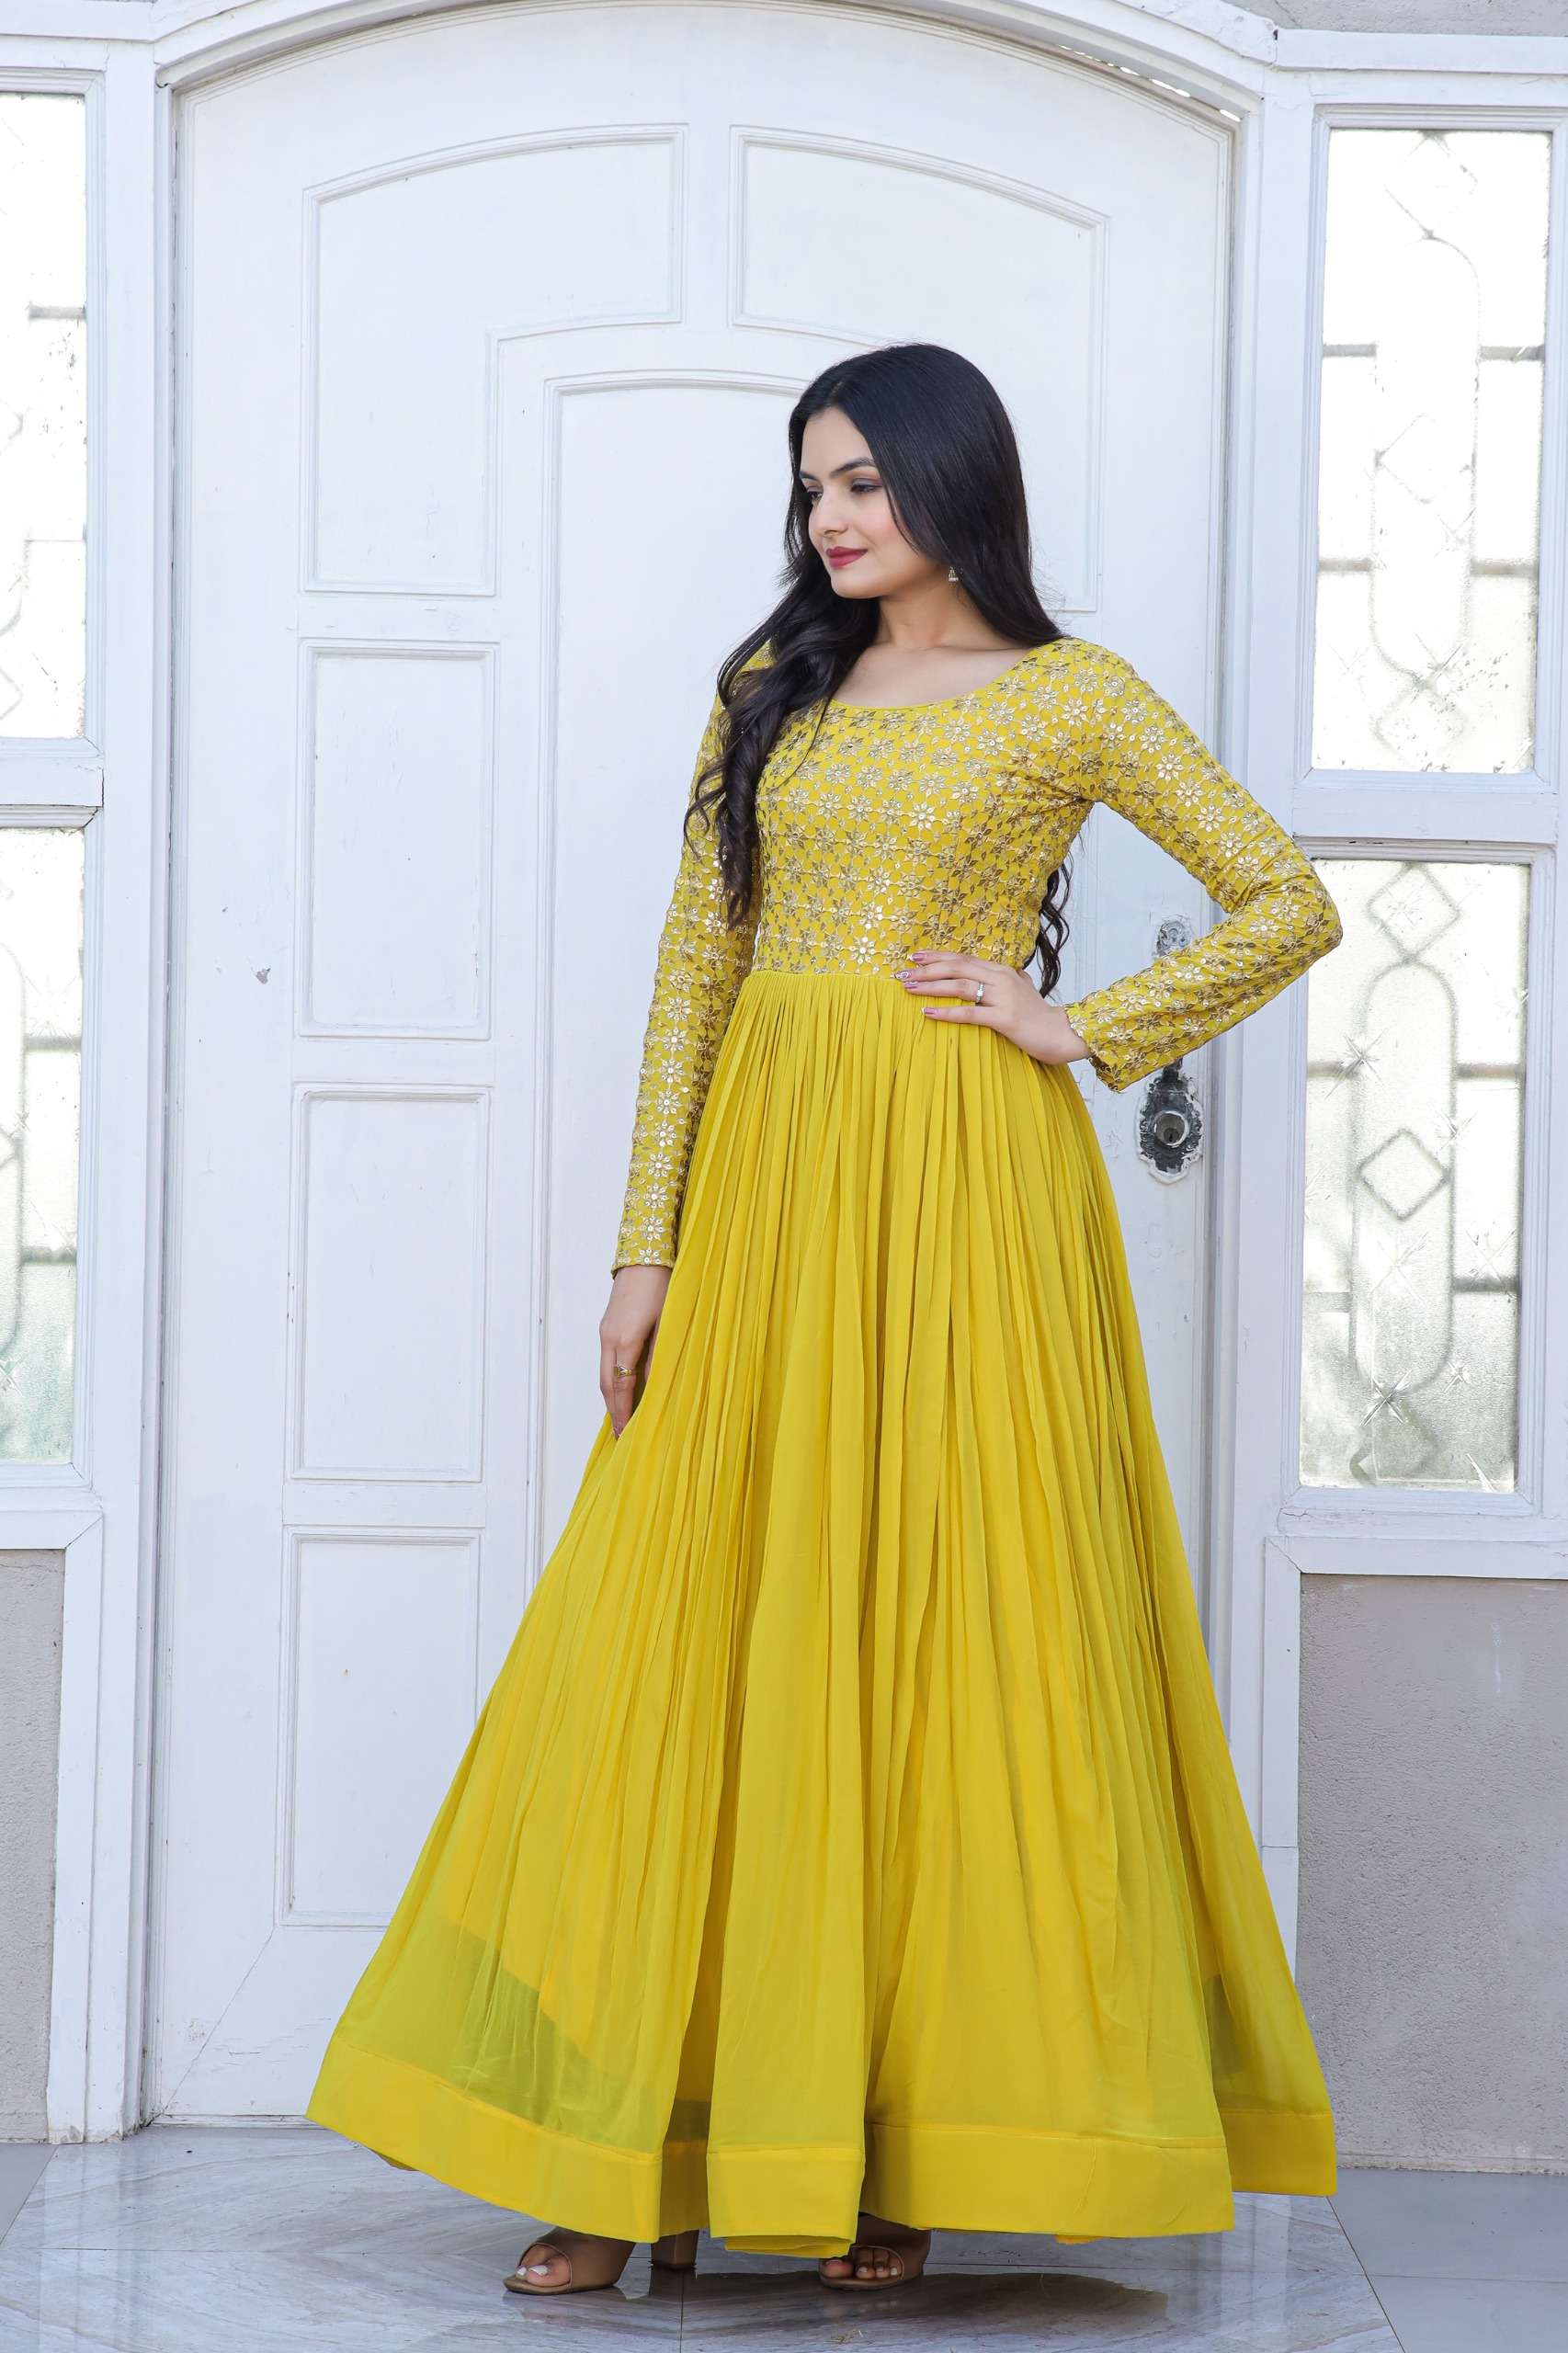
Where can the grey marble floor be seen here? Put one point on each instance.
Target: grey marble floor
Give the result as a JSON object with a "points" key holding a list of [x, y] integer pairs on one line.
{"points": [[251, 2239]]}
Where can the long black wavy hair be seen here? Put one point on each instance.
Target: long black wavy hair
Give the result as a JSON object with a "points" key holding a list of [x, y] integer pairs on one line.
{"points": [[944, 445]]}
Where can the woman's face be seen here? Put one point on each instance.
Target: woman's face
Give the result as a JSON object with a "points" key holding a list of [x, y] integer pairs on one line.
{"points": [[851, 523]]}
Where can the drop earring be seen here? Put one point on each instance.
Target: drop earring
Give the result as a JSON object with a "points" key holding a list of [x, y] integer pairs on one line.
{"points": [[951, 574]]}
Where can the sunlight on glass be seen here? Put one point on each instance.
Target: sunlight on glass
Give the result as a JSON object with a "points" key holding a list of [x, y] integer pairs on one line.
{"points": [[40, 1055], [43, 413], [1429, 464], [1415, 1043]]}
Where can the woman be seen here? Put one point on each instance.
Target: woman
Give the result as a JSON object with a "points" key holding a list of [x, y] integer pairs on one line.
{"points": [[849, 1843]]}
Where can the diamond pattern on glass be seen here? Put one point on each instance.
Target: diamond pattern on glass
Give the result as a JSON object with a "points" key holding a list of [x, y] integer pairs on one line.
{"points": [[43, 412], [40, 1056], [1415, 1107], [1429, 456]]}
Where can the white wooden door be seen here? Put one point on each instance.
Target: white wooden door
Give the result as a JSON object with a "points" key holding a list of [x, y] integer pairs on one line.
{"points": [[488, 329]]}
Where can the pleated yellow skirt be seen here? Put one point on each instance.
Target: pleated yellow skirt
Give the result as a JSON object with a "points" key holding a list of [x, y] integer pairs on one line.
{"points": [[851, 1821]]}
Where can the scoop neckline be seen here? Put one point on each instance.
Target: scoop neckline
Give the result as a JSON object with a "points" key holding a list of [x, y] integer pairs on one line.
{"points": [[946, 702]]}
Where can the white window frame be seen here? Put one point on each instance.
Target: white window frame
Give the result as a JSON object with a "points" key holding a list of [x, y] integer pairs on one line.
{"points": [[1282, 1531], [95, 1508], [131, 58]]}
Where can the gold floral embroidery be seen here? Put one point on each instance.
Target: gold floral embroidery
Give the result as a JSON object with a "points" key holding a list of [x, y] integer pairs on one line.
{"points": [[697, 976], [936, 825], [1144, 761]]}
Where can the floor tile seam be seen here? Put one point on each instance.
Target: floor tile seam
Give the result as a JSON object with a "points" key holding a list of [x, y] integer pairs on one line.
{"points": [[1467, 2278], [1397, 2268], [1372, 2291]]}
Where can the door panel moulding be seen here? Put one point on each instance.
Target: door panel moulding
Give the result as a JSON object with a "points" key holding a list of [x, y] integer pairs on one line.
{"points": [[1204, 54]]}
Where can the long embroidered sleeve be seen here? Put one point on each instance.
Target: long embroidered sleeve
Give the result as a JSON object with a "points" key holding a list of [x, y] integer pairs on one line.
{"points": [[1142, 758], [936, 824], [700, 964]]}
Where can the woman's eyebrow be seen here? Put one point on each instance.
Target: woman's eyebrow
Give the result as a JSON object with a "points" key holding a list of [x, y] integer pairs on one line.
{"points": [[846, 468]]}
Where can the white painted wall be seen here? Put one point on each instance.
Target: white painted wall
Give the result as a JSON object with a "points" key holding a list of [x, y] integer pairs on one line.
{"points": [[1413, 15]]}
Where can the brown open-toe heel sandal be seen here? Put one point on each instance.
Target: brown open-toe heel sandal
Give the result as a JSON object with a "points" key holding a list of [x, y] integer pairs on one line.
{"points": [[908, 2251], [584, 2255]]}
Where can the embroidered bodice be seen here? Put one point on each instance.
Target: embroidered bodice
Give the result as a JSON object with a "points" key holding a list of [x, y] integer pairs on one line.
{"points": [[938, 824]]}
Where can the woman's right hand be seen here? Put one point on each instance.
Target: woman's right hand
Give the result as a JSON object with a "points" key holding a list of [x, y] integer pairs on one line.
{"points": [[627, 1331]]}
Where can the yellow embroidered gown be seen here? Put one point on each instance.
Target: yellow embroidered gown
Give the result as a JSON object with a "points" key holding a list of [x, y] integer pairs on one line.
{"points": [[851, 1821]]}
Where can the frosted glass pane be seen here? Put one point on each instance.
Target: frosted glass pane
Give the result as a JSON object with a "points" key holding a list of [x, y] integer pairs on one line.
{"points": [[43, 413], [1416, 1038], [40, 1058], [1429, 456]]}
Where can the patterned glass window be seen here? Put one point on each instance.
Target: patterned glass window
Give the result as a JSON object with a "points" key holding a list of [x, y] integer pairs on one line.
{"points": [[43, 413], [1415, 1044], [40, 1056], [1429, 466]]}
